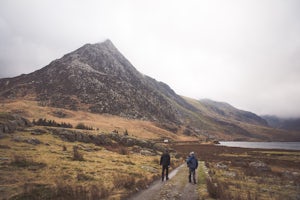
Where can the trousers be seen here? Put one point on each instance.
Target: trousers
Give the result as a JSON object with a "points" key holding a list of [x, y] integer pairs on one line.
{"points": [[165, 168], [192, 173]]}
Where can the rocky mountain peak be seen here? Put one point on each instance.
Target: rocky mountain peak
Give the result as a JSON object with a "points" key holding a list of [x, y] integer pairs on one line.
{"points": [[97, 78]]}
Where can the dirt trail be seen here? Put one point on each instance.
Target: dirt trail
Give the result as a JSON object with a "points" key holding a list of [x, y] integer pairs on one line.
{"points": [[177, 187]]}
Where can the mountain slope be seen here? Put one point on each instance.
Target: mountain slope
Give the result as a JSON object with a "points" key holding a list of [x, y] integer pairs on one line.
{"points": [[225, 110], [292, 124], [97, 78]]}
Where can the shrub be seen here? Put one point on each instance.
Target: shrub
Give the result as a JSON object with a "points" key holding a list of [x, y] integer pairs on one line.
{"points": [[84, 177], [45, 122], [76, 154], [123, 181], [34, 191], [212, 188], [22, 161], [123, 151], [69, 192], [83, 126]]}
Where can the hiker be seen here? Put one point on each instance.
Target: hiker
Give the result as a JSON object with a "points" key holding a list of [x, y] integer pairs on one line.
{"points": [[165, 163], [192, 164]]}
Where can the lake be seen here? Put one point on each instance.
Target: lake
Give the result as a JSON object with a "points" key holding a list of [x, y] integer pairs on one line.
{"points": [[263, 145]]}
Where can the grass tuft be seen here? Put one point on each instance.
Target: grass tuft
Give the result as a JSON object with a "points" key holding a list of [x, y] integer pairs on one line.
{"points": [[76, 154]]}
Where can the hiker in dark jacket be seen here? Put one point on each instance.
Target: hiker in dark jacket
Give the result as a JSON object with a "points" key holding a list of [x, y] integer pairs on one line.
{"points": [[165, 163], [192, 163]]}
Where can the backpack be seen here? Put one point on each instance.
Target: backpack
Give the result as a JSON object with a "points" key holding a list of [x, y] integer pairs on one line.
{"points": [[192, 163]]}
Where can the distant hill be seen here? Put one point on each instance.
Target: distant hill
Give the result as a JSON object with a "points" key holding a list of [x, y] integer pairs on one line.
{"points": [[225, 110], [292, 124], [97, 78]]}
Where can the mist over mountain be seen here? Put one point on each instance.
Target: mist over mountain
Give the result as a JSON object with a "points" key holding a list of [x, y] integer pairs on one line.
{"points": [[97, 78], [291, 124], [228, 111]]}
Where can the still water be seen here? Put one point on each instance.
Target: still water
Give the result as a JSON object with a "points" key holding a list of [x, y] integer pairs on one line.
{"points": [[264, 145]]}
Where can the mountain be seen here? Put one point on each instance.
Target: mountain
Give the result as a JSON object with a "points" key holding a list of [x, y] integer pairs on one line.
{"points": [[97, 78], [292, 124], [226, 110]]}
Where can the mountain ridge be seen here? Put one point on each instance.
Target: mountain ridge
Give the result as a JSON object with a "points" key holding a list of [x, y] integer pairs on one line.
{"points": [[291, 124]]}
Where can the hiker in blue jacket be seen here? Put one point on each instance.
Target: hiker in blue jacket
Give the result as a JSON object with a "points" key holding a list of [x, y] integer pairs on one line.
{"points": [[192, 163], [165, 163]]}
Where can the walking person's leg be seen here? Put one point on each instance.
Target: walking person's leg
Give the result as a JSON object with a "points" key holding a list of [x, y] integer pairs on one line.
{"points": [[167, 173], [190, 174], [162, 173], [194, 176]]}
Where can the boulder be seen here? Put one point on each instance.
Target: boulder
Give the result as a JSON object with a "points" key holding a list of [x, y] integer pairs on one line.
{"points": [[147, 152], [9, 123], [260, 166], [221, 165]]}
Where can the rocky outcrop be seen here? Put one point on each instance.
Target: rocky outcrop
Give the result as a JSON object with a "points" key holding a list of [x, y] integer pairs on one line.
{"points": [[259, 166], [104, 139], [9, 123]]}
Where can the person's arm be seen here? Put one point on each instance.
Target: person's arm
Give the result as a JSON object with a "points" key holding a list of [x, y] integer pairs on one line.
{"points": [[188, 160], [160, 160]]}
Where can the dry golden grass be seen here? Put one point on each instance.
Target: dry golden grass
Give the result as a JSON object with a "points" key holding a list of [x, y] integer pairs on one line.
{"points": [[51, 163], [104, 122]]}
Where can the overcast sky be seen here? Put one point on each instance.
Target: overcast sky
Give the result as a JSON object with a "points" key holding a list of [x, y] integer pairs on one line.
{"points": [[243, 52]]}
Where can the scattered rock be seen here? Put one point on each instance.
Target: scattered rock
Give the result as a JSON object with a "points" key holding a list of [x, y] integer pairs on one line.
{"points": [[221, 165], [150, 169], [230, 174], [32, 141], [59, 113], [4, 159], [103, 139], [9, 123], [291, 175], [148, 152], [38, 132], [260, 166]]}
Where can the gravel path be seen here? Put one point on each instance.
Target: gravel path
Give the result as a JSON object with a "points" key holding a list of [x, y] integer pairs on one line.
{"points": [[177, 187]]}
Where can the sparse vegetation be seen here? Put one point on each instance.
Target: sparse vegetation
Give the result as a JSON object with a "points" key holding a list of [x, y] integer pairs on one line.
{"points": [[124, 181], [53, 123], [76, 154], [123, 150], [126, 132], [249, 174], [62, 190], [22, 161], [51, 172], [83, 126]]}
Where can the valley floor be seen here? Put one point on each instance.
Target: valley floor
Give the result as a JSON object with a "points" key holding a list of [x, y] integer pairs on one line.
{"points": [[37, 164]]}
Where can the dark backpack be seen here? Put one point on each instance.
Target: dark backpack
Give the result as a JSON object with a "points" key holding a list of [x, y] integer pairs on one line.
{"points": [[192, 163]]}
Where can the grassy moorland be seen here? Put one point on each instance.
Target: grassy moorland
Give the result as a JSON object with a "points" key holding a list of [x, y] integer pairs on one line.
{"points": [[238, 173], [35, 163], [104, 123], [43, 166]]}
